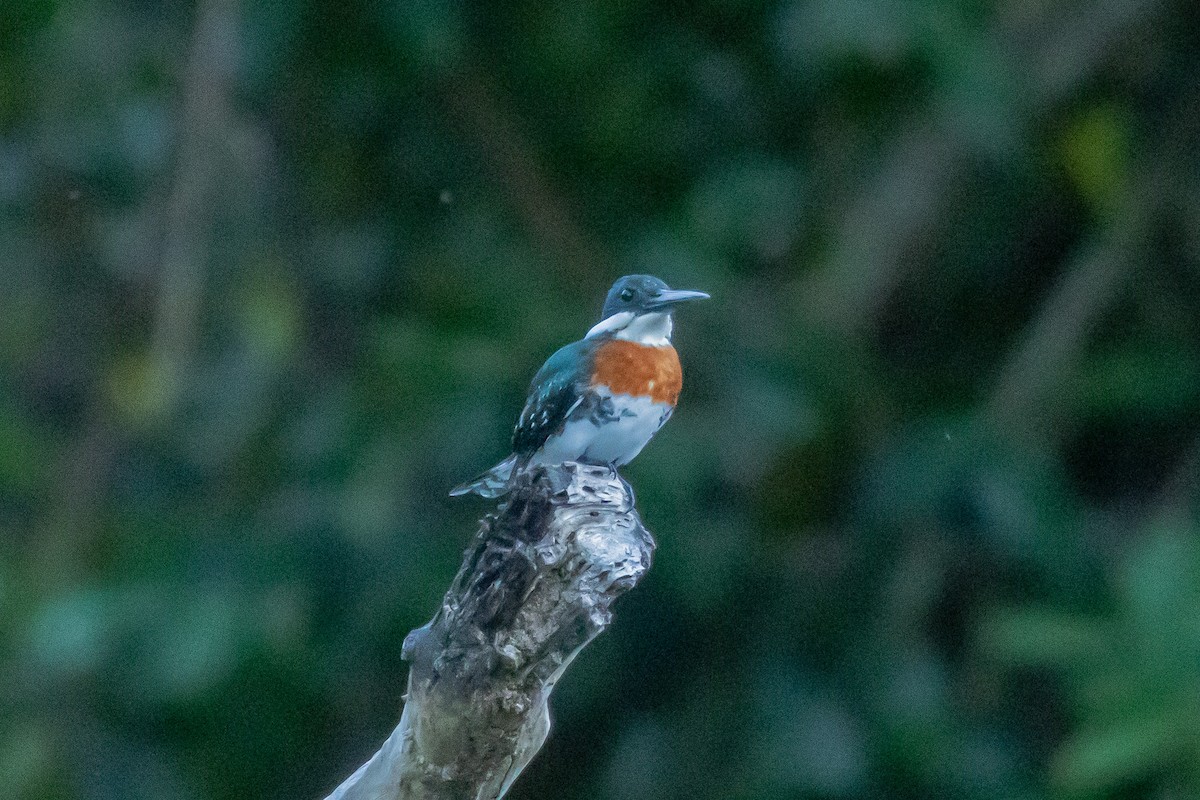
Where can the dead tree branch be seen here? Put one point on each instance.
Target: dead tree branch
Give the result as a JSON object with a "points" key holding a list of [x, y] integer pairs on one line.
{"points": [[534, 588]]}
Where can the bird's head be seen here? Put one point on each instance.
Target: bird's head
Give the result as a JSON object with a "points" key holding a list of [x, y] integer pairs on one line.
{"points": [[638, 307]]}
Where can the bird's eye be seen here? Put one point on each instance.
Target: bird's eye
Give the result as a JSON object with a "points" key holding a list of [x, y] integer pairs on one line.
{"points": [[627, 294]]}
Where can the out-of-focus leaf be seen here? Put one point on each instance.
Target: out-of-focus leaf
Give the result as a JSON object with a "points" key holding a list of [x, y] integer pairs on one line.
{"points": [[24, 457], [1162, 576], [1099, 759], [27, 758], [1095, 152], [1130, 674], [270, 317], [808, 33], [73, 634], [1045, 638], [138, 389], [1160, 381]]}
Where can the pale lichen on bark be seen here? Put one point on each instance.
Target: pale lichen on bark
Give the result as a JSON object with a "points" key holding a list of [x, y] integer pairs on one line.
{"points": [[536, 586]]}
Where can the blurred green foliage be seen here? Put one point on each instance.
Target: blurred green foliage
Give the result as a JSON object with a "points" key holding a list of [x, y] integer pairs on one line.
{"points": [[276, 274]]}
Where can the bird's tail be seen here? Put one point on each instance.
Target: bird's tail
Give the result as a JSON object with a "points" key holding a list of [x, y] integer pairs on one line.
{"points": [[491, 484]]}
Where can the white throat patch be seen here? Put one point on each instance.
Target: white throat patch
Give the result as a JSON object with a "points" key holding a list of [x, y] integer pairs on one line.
{"points": [[653, 330], [648, 329]]}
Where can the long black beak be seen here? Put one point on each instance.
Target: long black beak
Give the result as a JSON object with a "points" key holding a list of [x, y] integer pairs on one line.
{"points": [[669, 297]]}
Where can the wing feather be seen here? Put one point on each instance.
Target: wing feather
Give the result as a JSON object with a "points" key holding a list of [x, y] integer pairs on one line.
{"points": [[555, 392]]}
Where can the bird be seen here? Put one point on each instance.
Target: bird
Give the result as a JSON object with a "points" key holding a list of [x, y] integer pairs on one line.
{"points": [[601, 399]]}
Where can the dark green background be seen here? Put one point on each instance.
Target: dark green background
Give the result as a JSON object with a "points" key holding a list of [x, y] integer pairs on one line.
{"points": [[274, 277]]}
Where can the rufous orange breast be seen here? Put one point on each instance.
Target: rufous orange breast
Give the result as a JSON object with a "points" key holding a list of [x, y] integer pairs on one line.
{"points": [[639, 370]]}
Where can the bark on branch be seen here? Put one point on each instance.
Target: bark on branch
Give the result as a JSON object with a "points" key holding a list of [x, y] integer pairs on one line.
{"points": [[534, 588]]}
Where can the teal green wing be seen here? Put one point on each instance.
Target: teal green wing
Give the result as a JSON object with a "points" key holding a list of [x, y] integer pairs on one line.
{"points": [[555, 392]]}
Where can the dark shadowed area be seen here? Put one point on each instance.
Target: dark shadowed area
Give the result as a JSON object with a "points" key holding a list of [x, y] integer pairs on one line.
{"points": [[274, 277]]}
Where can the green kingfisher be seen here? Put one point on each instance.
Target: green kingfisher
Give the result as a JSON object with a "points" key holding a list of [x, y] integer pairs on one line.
{"points": [[601, 399]]}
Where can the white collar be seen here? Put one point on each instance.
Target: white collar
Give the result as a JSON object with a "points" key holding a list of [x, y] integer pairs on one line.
{"points": [[652, 330]]}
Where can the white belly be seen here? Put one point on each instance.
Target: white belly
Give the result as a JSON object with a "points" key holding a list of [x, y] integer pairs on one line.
{"points": [[613, 440]]}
